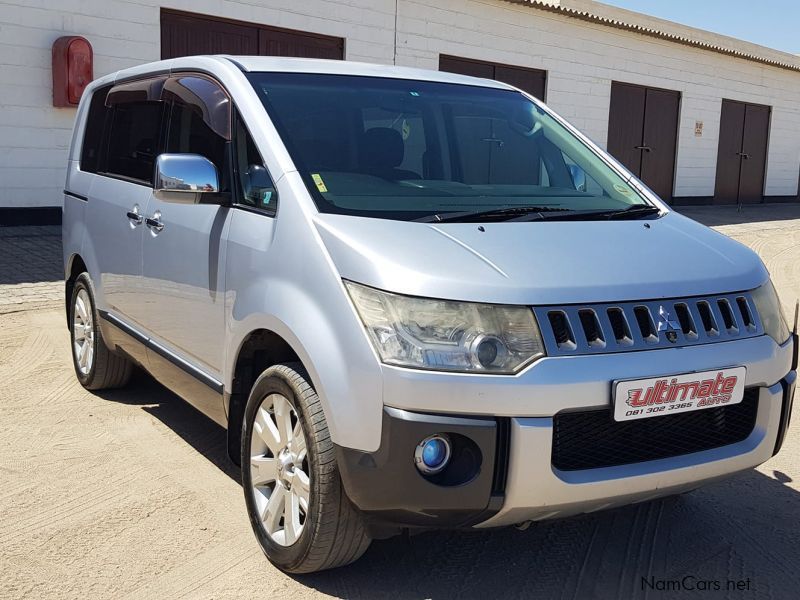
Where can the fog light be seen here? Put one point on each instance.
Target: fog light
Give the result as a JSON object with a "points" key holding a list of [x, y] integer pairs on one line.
{"points": [[432, 454]]}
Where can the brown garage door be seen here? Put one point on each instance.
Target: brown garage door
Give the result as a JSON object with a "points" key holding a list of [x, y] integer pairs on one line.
{"points": [[643, 133], [531, 80], [742, 153], [184, 34]]}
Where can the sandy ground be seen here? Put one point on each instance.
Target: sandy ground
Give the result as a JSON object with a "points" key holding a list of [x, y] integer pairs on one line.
{"points": [[129, 495]]}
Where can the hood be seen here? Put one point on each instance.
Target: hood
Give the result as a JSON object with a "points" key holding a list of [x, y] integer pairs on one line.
{"points": [[541, 262]]}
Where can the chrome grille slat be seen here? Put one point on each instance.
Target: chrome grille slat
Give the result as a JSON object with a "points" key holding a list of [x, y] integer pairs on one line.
{"points": [[702, 333], [744, 326], [721, 329]]}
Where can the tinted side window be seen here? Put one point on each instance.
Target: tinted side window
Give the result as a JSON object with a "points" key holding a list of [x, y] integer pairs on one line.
{"points": [[134, 139], [256, 186], [93, 131], [189, 134]]}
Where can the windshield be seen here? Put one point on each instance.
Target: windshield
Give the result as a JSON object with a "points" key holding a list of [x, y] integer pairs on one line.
{"points": [[404, 149]]}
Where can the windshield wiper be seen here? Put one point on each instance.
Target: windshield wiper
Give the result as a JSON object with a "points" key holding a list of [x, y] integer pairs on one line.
{"points": [[502, 214], [636, 211]]}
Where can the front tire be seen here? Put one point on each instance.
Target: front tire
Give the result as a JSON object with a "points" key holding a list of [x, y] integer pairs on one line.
{"points": [[95, 365], [297, 506]]}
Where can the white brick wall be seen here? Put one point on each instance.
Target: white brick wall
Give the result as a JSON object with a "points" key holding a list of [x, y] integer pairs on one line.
{"points": [[581, 59]]}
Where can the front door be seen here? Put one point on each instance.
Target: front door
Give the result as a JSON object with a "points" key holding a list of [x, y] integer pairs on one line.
{"points": [[742, 153], [643, 133], [183, 257]]}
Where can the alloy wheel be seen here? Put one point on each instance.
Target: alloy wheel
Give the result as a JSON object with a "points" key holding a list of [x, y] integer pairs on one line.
{"points": [[279, 470], [83, 332]]}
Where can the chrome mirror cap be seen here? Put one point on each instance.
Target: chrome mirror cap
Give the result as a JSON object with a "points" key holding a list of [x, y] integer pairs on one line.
{"points": [[185, 173]]}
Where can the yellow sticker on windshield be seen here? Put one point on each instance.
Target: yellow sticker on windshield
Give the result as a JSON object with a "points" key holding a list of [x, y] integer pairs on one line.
{"points": [[622, 189], [319, 183]]}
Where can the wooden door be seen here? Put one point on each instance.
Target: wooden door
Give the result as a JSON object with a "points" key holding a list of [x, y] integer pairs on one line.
{"points": [[626, 125], [643, 133], [729, 161], [529, 80], [660, 141], [754, 154], [283, 42], [532, 81], [741, 153], [185, 34]]}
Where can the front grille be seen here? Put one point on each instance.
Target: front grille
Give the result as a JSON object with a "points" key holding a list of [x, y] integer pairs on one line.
{"points": [[593, 439], [627, 326]]}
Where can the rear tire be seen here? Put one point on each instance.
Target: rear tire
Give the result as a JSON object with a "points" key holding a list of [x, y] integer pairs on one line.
{"points": [[287, 451], [95, 365]]}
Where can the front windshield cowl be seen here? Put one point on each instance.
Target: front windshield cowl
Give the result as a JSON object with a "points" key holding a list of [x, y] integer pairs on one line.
{"points": [[427, 151]]}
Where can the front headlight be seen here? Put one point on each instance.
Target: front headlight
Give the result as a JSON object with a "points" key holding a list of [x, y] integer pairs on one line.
{"points": [[769, 309], [447, 335]]}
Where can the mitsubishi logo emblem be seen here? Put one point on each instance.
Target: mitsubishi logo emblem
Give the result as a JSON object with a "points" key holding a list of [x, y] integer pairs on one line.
{"points": [[667, 325]]}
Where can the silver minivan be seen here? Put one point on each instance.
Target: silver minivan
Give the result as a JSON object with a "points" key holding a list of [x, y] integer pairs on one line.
{"points": [[414, 299]]}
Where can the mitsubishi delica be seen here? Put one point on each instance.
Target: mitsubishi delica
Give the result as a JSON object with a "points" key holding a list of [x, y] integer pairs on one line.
{"points": [[413, 299]]}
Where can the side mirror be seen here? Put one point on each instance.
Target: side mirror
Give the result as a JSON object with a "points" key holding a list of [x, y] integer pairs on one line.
{"points": [[186, 173], [578, 177], [259, 189]]}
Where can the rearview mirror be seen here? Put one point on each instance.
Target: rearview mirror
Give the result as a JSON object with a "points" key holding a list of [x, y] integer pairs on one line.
{"points": [[189, 173], [578, 177], [259, 190]]}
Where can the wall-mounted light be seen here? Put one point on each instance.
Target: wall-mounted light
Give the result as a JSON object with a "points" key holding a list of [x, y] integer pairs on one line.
{"points": [[72, 69]]}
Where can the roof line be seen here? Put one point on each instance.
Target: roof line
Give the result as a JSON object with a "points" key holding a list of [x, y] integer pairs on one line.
{"points": [[656, 33]]}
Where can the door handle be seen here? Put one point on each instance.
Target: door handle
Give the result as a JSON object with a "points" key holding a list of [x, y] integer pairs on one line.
{"points": [[134, 216], [744, 155], [154, 222], [645, 148]]}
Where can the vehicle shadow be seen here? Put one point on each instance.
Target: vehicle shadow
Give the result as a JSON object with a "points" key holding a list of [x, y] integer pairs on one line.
{"points": [[713, 216], [200, 432], [740, 532]]}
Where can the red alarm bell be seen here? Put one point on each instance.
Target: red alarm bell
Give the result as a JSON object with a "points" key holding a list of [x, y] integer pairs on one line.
{"points": [[72, 69]]}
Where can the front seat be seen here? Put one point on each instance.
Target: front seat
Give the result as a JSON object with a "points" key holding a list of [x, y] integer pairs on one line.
{"points": [[382, 151]]}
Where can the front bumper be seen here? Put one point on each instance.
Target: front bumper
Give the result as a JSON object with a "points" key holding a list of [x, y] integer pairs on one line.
{"points": [[536, 491], [516, 480]]}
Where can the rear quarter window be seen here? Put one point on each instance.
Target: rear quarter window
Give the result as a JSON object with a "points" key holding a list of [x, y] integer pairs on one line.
{"points": [[93, 131]]}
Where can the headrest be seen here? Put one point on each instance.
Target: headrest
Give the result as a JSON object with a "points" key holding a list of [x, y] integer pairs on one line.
{"points": [[382, 148]]}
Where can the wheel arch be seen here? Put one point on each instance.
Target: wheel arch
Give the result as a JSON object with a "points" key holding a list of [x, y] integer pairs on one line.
{"points": [[259, 349], [75, 266]]}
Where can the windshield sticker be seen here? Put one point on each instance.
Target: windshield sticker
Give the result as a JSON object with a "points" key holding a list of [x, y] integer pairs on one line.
{"points": [[622, 189], [319, 183]]}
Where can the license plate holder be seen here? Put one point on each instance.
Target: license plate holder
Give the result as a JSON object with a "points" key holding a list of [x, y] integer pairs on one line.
{"points": [[673, 394]]}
